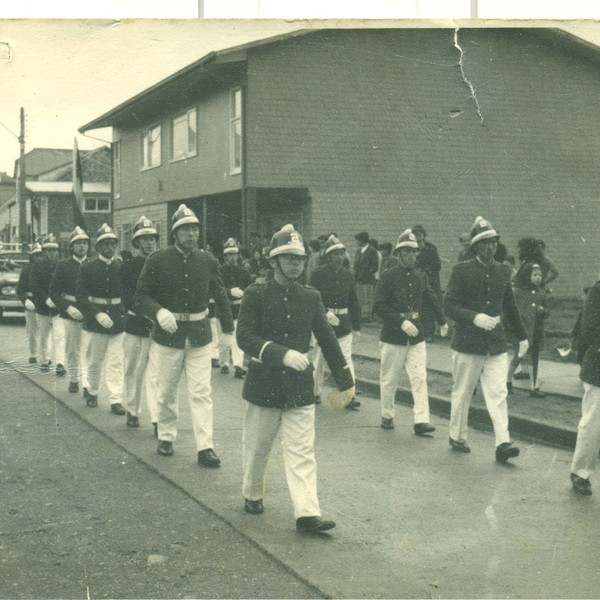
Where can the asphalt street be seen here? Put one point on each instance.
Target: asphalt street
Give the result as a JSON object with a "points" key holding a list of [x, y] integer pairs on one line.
{"points": [[414, 518]]}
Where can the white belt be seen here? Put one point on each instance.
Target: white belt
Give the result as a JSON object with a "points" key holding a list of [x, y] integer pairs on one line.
{"points": [[190, 316], [104, 300], [130, 312], [237, 301], [69, 298], [338, 311], [29, 294]]}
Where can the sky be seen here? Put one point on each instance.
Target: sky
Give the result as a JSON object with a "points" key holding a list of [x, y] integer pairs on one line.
{"points": [[64, 73]]}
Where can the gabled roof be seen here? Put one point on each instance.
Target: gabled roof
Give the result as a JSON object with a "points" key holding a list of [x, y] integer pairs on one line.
{"points": [[185, 82], [42, 160], [4, 178]]}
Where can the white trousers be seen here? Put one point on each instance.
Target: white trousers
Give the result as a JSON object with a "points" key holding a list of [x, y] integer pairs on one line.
{"points": [[73, 352], [237, 355], [137, 380], [414, 361], [32, 332], [169, 364], [215, 327], [261, 426], [587, 446], [467, 369], [345, 343], [51, 332], [104, 356]]}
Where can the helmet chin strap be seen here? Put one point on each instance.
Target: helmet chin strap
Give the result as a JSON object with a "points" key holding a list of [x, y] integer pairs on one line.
{"points": [[284, 277]]}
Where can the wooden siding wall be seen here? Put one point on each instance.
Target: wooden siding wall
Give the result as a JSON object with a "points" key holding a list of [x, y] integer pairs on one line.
{"points": [[384, 132], [206, 173]]}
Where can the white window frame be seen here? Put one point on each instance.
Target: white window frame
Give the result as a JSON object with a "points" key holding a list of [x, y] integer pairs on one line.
{"points": [[185, 117], [96, 210], [235, 125], [146, 148]]}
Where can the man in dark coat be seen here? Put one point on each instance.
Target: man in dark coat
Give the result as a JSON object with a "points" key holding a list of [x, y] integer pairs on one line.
{"points": [[50, 327], [479, 293], [366, 266], [136, 342], [173, 290], [100, 300], [587, 446], [399, 299], [428, 261], [26, 296], [275, 325]]}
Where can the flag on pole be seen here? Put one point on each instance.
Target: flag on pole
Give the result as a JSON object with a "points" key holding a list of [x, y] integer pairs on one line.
{"points": [[78, 219]]}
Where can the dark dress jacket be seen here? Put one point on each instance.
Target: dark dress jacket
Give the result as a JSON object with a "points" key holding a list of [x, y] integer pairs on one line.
{"points": [[474, 288], [400, 295], [24, 284], [182, 284], [338, 290], [41, 276], [234, 276], [101, 280], [428, 261], [65, 282], [590, 337], [274, 319], [366, 265], [136, 323]]}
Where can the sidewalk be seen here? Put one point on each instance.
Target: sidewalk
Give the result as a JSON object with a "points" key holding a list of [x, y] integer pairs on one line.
{"points": [[552, 420]]}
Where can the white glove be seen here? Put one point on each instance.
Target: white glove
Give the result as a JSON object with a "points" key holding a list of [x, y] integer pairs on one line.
{"points": [[236, 292], [166, 319], [485, 322], [74, 313], [296, 360], [523, 347], [226, 340], [29, 305], [444, 330], [104, 320], [355, 336], [49, 303], [409, 328], [332, 319]]}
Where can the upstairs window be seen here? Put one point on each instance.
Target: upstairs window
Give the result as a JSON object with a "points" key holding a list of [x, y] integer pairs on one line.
{"points": [[151, 147], [96, 205], [184, 135], [235, 131]]}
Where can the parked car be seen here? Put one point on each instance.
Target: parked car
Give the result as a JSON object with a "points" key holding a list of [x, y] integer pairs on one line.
{"points": [[11, 263]]}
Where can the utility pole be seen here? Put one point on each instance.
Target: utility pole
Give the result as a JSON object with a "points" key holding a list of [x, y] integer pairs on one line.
{"points": [[21, 194]]}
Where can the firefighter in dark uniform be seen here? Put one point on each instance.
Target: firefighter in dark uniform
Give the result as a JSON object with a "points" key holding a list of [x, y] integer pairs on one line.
{"points": [[100, 299], [478, 298], [63, 291], [338, 293], [136, 343], [235, 280], [275, 325], [585, 457], [49, 324], [26, 296], [399, 299], [173, 290]]}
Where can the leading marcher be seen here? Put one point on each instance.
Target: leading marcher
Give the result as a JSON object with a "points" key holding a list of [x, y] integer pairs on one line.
{"points": [[274, 327], [174, 289], [26, 296], [478, 294]]}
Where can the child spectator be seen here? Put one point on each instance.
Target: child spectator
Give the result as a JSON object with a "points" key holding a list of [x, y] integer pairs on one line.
{"points": [[530, 297]]}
